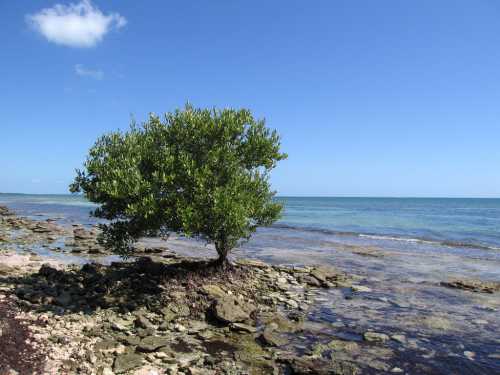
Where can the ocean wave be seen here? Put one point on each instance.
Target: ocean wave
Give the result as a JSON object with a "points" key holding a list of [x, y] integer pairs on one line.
{"points": [[383, 237]]}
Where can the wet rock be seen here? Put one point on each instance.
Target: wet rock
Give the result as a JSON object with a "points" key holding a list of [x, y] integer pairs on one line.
{"points": [[127, 362], [399, 338], [473, 285], [361, 288], [437, 323], [375, 336]]}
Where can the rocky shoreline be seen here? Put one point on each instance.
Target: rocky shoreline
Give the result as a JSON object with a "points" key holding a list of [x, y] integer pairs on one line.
{"points": [[162, 313]]}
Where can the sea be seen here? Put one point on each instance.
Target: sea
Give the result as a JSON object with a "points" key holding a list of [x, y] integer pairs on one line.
{"points": [[403, 249]]}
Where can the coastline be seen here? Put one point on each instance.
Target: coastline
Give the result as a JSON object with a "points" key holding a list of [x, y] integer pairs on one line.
{"points": [[304, 338]]}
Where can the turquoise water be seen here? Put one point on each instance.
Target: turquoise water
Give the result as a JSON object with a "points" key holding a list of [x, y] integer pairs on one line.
{"points": [[457, 222]]}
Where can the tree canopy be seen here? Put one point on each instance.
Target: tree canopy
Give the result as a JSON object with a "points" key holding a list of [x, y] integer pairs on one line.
{"points": [[200, 172]]}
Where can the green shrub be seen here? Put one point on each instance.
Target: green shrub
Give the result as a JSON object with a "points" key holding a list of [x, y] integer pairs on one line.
{"points": [[199, 172]]}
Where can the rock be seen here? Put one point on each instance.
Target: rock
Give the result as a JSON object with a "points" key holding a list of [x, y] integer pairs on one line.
{"points": [[360, 288], [64, 299], [324, 273], [270, 338], [152, 343], [469, 355], [240, 327], [310, 280], [127, 362], [474, 285], [81, 234], [213, 291], [229, 310], [46, 270], [318, 366], [252, 263], [142, 322], [399, 338], [147, 370], [375, 336], [5, 270], [105, 371], [437, 323]]}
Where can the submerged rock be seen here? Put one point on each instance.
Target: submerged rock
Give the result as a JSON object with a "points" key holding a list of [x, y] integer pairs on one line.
{"points": [[375, 336]]}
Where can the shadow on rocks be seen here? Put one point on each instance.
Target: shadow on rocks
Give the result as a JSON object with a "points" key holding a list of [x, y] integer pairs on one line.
{"points": [[121, 286]]}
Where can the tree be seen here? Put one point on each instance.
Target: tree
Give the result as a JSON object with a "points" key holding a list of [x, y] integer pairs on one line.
{"points": [[203, 173]]}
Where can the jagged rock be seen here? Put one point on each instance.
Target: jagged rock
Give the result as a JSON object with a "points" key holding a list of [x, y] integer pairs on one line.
{"points": [[127, 362]]}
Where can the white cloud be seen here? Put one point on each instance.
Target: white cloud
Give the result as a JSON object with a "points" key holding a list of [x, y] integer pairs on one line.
{"points": [[86, 72], [75, 25]]}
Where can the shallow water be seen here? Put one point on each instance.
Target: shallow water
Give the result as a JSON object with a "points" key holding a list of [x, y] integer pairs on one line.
{"points": [[440, 324]]}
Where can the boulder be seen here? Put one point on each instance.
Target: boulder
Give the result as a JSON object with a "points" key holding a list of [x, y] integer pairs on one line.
{"points": [[229, 310]]}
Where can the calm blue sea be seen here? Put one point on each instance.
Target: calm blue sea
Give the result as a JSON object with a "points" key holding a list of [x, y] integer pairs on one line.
{"points": [[453, 222]]}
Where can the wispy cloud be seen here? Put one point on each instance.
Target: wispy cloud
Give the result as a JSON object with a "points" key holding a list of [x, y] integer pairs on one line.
{"points": [[75, 25], [86, 72]]}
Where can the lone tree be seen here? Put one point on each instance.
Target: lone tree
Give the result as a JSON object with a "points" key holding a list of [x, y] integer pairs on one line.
{"points": [[200, 172]]}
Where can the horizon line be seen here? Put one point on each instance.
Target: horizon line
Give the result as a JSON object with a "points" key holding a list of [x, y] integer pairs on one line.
{"points": [[312, 196]]}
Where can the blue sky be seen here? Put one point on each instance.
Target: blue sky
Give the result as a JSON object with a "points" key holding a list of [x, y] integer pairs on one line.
{"points": [[372, 98]]}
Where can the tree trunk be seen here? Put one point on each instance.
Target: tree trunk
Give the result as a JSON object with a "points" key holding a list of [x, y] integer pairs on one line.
{"points": [[223, 251]]}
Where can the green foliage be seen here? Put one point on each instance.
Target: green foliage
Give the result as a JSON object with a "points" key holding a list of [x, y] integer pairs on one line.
{"points": [[200, 172]]}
